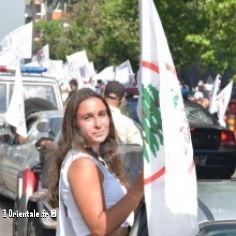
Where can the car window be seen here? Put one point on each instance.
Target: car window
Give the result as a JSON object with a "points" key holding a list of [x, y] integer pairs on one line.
{"points": [[46, 92], [219, 229], [197, 114], [55, 125], [2, 98]]}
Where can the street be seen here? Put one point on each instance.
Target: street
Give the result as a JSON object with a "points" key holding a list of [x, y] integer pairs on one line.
{"points": [[5, 223]]}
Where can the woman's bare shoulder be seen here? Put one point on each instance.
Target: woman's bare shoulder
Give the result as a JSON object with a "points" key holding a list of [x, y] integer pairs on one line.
{"points": [[84, 165]]}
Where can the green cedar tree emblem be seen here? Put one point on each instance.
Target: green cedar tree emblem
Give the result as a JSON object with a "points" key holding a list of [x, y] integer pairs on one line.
{"points": [[152, 124]]}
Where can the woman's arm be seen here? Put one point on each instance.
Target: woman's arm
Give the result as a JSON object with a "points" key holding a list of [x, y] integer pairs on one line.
{"points": [[86, 184]]}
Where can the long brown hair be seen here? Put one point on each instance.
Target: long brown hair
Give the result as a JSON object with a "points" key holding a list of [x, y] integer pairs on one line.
{"points": [[71, 138]]}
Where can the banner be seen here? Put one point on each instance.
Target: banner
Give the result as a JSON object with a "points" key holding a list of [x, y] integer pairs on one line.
{"points": [[54, 68], [107, 74], [16, 45], [80, 58], [124, 73], [222, 101], [15, 115], [42, 55], [169, 171], [123, 76], [216, 87], [79, 66]]}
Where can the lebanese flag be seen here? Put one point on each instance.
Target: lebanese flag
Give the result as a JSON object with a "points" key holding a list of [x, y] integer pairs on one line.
{"points": [[169, 170]]}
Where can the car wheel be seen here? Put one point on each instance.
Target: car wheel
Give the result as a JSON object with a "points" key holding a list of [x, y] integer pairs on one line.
{"points": [[37, 104], [35, 228]]}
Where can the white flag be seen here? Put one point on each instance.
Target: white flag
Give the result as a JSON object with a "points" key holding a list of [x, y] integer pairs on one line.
{"points": [[122, 75], [215, 90], [79, 66], [124, 72], [107, 74], [91, 69], [222, 100], [80, 58], [169, 171], [15, 115], [16, 45], [54, 68], [42, 55], [125, 64]]}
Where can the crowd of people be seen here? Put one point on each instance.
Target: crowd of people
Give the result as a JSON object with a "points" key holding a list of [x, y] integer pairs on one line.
{"points": [[201, 94]]}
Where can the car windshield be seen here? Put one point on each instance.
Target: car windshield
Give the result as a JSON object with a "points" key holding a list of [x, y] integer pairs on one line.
{"points": [[40, 91], [2, 98], [197, 114]]}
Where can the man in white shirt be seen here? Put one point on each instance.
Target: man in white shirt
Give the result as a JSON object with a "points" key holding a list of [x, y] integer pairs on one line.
{"points": [[126, 130]]}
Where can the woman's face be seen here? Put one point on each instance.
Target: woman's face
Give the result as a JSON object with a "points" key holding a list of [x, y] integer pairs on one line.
{"points": [[93, 121]]}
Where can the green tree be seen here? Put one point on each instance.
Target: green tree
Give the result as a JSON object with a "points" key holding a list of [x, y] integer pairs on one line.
{"points": [[121, 31], [54, 34], [201, 33]]}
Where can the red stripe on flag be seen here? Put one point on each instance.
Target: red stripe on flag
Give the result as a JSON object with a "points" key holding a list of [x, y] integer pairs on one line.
{"points": [[171, 69], [155, 176], [150, 66], [191, 167]]}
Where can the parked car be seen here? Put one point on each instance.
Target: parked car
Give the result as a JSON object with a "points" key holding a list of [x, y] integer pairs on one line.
{"points": [[216, 210], [24, 172], [231, 115], [214, 146], [21, 164], [34, 86]]}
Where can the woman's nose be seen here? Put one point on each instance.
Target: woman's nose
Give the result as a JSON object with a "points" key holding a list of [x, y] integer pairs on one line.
{"points": [[97, 122]]}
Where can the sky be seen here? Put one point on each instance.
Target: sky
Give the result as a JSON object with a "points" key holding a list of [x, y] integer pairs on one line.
{"points": [[11, 16]]}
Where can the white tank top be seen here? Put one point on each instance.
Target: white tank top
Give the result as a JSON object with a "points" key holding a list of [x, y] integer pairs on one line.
{"points": [[70, 221]]}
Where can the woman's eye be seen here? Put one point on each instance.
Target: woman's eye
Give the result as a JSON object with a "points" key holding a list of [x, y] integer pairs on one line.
{"points": [[87, 118], [103, 114]]}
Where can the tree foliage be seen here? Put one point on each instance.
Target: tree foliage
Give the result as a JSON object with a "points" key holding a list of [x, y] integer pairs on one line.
{"points": [[201, 33]]}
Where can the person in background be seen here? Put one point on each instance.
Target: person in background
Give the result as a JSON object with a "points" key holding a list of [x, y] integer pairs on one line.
{"points": [[126, 129], [94, 194], [17, 138], [200, 99], [74, 87], [100, 87]]}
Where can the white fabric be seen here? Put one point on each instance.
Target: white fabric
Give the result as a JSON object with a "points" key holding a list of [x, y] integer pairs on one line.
{"points": [[16, 45], [126, 130], [70, 222], [222, 101], [15, 115], [170, 180], [42, 55], [216, 87]]}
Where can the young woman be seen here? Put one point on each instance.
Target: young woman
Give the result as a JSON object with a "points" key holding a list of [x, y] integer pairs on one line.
{"points": [[92, 183]]}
